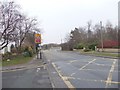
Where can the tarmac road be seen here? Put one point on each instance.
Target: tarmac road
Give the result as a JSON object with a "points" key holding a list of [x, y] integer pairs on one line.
{"points": [[81, 71]]}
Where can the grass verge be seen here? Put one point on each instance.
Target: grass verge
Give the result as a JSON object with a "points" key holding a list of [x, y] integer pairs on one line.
{"points": [[100, 53], [17, 60]]}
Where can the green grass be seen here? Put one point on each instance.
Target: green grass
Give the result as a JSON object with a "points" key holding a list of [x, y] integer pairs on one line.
{"points": [[0, 63], [100, 53], [17, 60]]}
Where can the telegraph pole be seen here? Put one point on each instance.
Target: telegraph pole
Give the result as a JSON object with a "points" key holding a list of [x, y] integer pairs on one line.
{"points": [[101, 36]]}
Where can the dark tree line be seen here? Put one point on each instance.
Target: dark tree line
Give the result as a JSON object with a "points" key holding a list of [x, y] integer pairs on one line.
{"points": [[91, 35]]}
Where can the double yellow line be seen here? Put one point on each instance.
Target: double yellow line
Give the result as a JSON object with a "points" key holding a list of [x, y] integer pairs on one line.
{"points": [[65, 79]]}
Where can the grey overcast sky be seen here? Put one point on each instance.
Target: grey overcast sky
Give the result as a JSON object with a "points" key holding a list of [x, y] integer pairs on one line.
{"points": [[59, 17]]}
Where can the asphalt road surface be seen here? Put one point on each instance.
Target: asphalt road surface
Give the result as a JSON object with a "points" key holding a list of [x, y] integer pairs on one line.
{"points": [[81, 71], [30, 77]]}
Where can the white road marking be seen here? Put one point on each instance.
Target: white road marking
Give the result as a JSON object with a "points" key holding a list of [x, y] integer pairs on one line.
{"points": [[113, 82], [38, 69], [68, 63], [87, 64], [109, 79], [73, 61], [54, 72], [53, 85], [72, 74], [101, 64], [98, 70], [94, 70], [65, 79], [83, 66]]}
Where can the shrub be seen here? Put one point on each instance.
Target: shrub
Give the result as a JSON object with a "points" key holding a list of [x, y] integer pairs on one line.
{"points": [[6, 56], [79, 46], [92, 46], [28, 52]]}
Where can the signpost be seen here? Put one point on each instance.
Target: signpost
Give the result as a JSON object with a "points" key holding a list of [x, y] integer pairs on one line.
{"points": [[38, 38], [38, 42]]}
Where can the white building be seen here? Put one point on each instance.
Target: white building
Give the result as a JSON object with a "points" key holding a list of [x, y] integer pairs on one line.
{"points": [[7, 49]]}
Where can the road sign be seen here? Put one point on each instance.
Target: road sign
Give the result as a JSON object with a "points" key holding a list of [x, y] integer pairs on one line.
{"points": [[38, 38]]}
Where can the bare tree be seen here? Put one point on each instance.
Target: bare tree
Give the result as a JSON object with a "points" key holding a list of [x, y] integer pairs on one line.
{"points": [[9, 17], [111, 32], [89, 34], [97, 32], [67, 37], [25, 26], [14, 26]]}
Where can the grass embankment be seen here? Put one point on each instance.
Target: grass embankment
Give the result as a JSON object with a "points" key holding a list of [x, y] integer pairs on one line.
{"points": [[100, 53], [17, 60]]}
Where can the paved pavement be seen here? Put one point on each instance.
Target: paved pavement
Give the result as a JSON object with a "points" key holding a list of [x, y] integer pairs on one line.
{"points": [[80, 71], [27, 78], [31, 75]]}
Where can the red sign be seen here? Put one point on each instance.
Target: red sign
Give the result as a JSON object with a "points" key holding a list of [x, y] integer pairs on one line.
{"points": [[38, 38]]}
